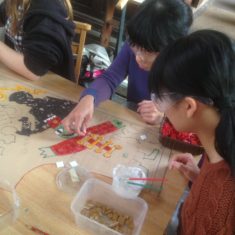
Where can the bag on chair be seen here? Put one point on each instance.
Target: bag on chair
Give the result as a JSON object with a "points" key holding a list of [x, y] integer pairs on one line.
{"points": [[94, 62]]}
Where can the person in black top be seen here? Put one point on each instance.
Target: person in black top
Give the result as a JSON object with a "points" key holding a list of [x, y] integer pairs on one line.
{"points": [[38, 35]]}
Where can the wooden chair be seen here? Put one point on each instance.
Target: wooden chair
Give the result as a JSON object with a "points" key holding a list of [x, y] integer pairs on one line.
{"points": [[81, 30]]}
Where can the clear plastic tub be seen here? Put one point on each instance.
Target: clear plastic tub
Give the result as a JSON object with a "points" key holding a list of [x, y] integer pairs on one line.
{"points": [[70, 179], [123, 186], [103, 193]]}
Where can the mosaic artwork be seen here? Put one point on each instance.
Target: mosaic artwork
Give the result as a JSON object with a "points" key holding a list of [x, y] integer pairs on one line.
{"points": [[28, 137]]}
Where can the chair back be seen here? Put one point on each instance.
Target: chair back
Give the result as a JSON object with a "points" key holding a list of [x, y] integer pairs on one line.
{"points": [[81, 30]]}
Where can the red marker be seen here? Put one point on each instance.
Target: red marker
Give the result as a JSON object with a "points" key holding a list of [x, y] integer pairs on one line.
{"points": [[149, 179]]}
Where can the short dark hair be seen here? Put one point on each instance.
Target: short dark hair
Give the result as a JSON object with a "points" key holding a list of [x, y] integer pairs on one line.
{"points": [[159, 22], [202, 65]]}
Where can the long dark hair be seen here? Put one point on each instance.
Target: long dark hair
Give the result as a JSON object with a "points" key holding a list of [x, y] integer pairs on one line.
{"points": [[159, 22], [202, 64]]}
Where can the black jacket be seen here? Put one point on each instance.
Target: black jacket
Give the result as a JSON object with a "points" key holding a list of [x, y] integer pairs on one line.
{"points": [[47, 36]]}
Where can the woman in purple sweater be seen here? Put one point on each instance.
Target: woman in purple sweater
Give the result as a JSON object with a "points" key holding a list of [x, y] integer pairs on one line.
{"points": [[156, 24]]}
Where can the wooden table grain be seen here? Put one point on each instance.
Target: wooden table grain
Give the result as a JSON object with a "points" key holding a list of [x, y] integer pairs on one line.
{"points": [[44, 209]]}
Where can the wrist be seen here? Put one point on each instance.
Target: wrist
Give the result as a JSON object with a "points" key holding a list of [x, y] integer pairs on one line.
{"points": [[89, 92], [88, 98]]}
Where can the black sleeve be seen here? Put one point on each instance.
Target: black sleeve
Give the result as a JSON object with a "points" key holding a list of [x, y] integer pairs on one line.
{"points": [[42, 44], [3, 16]]}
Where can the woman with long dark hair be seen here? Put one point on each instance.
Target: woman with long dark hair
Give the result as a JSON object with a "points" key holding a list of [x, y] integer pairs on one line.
{"points": [[193, 83]]}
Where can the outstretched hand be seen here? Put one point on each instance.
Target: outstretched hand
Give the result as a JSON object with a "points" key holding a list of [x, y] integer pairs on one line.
{"points": [[78, 119], [148, 112], [186, 164]]}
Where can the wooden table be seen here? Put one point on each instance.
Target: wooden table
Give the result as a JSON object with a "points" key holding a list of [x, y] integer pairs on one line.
{"points": [[43, 206]]}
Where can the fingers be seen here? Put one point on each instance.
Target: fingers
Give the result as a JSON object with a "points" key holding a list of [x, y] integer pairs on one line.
{"points": [[72, 125], [185, 170], [186, 164], [179, 159], [77, 120], [174, 165], [150, 118], [82, 125], [190, 171], [149, 112], [182, 157], [79, 127], [179, 166], [75, 124], [68, 124], [145, 106]]}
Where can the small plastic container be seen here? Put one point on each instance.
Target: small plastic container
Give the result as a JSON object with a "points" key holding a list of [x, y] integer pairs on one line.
{"points": [[121, 183], [103, 193], [70, 179], [9, 204]]}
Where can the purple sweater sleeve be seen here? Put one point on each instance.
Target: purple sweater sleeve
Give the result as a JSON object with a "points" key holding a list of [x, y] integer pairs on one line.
{"points": [[104, 86]]}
